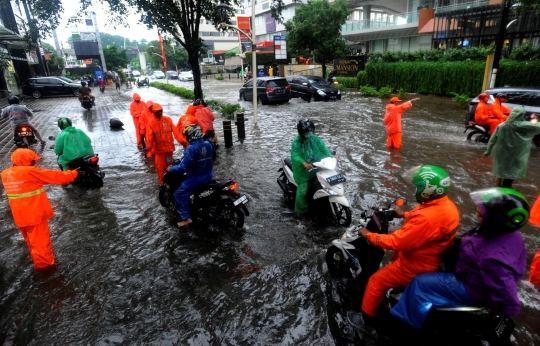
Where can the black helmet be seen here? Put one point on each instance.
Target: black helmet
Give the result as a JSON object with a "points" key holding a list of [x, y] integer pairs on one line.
{"points": [[13, 100], [503, 210], [192, 132], [199, 102], [304, 126], [63, 123], [83, 83], [500, 96]]}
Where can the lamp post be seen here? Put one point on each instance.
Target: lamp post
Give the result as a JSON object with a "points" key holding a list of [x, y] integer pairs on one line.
{"points": [[223, 8], [164, 62]]}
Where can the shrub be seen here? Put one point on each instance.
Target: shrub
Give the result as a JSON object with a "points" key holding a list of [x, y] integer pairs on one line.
{"points": [[341, 88], [402, 94], [228, 109], [385, 92], [219, 77], [366, 90], [361, 78], [348, 82], [208, 70], [182, 92], [462, 99]]}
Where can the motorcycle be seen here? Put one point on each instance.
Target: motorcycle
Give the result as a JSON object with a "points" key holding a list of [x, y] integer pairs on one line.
{"points": [[24, 136], [217, 200], [143, 83], [90, 174], [332, 189], [102, 88], [354, 258], [86, 102]]}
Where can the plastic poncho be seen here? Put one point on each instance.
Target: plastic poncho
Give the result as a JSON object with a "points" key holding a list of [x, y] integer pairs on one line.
{"points": [[72, 144], [311, 150], [17, 115], [510, 145]]}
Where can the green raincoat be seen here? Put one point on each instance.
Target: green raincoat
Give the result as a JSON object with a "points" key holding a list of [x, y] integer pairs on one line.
{"points": [[72, 144], [310, 150], [510, 145]]}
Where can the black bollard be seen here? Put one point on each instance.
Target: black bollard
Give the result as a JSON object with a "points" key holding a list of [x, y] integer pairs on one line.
{"points": [[240, 127], [227, 133]]}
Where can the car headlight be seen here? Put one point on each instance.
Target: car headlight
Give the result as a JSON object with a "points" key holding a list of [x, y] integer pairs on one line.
{"points": [[339, 92], [320, 92]]}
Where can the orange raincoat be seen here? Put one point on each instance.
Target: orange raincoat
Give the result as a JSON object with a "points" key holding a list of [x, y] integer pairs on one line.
{"points": [[498, 110], [428, 231], [136, 109], [185, 120], [29, 204], [392, 121], [482, 117], [534, 276], [205, 117]]}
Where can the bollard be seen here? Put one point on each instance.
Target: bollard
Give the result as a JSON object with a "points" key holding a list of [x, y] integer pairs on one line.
{"points": [[227, 133], [240, 127]]}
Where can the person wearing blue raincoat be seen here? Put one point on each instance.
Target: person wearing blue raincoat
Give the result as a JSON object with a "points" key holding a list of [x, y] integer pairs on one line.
{"points": [[510, 146], [197, 163]]}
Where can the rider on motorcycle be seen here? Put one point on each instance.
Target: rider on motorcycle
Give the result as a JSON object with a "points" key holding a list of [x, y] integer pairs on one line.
{"points": [[306, 149], [490, 263], [498, 110], [71, 143], [197, 164], [18, 115], [84, 90], [482, 115], [418, 246]]}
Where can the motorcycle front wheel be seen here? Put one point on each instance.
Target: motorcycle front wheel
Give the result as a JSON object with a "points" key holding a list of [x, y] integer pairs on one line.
{"points": [[165, 197], [337, 264], [229, 214], [478, 136], [342, 214]]}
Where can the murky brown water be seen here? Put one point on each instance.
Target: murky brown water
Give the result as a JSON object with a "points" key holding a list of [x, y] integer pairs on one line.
{"points": [[127, 275]]}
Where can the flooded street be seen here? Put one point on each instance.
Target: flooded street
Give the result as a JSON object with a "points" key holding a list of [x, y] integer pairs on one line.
{"points": [[128, 275]]}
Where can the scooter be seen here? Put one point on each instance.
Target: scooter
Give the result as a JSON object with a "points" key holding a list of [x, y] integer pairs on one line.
{"points": [[142, 83], [355, 259], [332, 188], [480, 133], [90, 175], [102, 88], [215, 200], [86, 102], [24, 136]]}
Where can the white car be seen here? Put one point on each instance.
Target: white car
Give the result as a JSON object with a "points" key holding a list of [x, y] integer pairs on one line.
{"points": [[135, 73], [185, 76], [157, 75]]}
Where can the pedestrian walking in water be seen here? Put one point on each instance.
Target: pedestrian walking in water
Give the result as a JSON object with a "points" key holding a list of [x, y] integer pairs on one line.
{"points": [[117, 83], [392, 120], [136, 109], [29, 204]]}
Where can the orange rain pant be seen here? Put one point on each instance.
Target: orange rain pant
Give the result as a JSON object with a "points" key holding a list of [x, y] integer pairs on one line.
{"points": [[38, 238], [137, 131], [534, 277], [492, 123], [162, 162], [535, 213], [394, 140], [391, 276]]}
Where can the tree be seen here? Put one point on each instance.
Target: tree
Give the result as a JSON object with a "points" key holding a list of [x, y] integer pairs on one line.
{"points": [[180, 19], [116, 60], [55, 62], [316, 27]]}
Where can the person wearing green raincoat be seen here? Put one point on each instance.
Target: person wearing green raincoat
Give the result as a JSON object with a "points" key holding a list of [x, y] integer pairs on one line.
{"points": [[306, 149], [71, 143], [510, 146]]}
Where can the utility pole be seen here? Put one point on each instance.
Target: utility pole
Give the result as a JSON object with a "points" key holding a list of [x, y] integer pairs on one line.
{"points": [[500, 42], [100, 47], [38, 52], [60, 51]]}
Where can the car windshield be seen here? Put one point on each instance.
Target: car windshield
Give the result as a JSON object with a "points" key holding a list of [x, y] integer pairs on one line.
{"points": [[277, 83], [319, 81]]}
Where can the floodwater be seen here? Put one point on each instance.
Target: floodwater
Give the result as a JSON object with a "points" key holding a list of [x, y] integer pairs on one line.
{"points": [[128, 275]]}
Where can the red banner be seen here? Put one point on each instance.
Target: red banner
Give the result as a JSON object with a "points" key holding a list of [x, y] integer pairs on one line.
{"points": [[163, 53], [243, 23]]}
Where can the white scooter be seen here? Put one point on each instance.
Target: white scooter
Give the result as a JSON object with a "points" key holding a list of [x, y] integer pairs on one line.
{"points": [[332, 188]]}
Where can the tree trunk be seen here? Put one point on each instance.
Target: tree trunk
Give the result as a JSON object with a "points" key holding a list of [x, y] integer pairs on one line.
{"points": [[323, 62], [197, 85]]}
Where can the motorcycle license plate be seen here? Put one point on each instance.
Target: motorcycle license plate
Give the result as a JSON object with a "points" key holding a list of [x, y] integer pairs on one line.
{"points": [[336, 179], [24, 134], [241, 201]]}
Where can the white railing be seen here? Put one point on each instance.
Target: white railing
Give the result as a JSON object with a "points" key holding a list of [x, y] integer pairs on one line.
{"points": [[389, 20], [462, 6]]}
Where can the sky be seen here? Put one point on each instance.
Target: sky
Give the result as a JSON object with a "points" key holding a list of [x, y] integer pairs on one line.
{"points": [[134, 32]]}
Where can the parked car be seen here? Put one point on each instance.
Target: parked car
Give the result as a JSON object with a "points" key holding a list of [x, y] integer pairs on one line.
{"points": [[135, 73], [526, 96], [157, 75], [269, 90], [45, 86], [172, 74], [185, 76], [313, 88], [66, 79]]}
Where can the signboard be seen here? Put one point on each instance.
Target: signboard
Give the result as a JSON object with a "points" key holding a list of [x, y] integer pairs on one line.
{"points": [[280, 48], [349, 66], [88, 36], [41, 51], [244, 24], [87, 61], [270, 22]]}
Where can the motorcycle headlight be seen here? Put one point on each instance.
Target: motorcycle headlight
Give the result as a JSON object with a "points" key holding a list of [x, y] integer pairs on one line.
{"points": [[320, 92]]}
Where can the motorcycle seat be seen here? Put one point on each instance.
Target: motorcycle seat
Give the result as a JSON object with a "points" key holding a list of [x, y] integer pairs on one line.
{"points": [[213, 184], [288, 162]]}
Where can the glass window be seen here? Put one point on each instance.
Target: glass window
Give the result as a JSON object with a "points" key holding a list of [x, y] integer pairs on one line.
{"points": [[265, 5], [206, 33], [277, 83], [42, 81], [249, 84], [534, 100], [518, 97]]}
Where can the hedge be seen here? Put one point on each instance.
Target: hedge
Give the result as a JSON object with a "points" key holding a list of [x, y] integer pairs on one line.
{"points": [[183, 92]]}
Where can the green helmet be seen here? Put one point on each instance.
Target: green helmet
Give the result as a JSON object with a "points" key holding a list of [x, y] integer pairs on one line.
{"points": [[431, 182], [64, 122], [503, 210]]}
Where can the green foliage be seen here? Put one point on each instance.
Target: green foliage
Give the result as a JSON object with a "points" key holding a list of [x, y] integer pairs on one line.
{"points": [[176, 58], [366, 90], [229, 109], [263, 58], [525, 53], [348, 82], [229, 54], [402, 94], [361, 78], [385, 92], [182, 92], [219, 77], [518, 73], [208, 70], [434, 55], [116, 60], [214, 104], [462, 99], [341, 88]]}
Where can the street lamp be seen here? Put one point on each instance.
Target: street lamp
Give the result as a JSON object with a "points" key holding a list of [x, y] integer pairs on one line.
{"points": [[165, 67], [224, 8]]}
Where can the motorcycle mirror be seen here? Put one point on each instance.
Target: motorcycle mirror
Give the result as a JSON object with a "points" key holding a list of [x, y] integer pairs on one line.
{"points": [[400, 202], [52, 138]]}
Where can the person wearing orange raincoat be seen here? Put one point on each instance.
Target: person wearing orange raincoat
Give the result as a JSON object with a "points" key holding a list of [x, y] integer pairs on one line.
{"points": [[392, 120], [428, 231], [29, 204], [483, 116], [136, 109], [186, 120], [144, 118], [206, 121], [159, 132], [534, 273], [498, 110]]}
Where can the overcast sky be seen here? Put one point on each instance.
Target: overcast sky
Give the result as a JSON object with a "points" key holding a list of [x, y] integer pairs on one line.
{"points": [[134, 32]]}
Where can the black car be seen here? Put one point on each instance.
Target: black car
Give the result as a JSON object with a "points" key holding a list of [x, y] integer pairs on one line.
{"points": [[313, 88], [269, 90], [172, 74], [526, 96], [49, 86]]}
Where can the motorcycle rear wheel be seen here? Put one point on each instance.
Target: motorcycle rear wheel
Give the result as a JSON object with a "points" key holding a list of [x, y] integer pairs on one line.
{"points": [[336, 263], [478, 136], [229, 214], [165, 197], [342, 216], [25, 143]]}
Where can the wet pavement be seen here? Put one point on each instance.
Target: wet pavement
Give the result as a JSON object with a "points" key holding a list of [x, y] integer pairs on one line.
{"points": [[128, 275]]}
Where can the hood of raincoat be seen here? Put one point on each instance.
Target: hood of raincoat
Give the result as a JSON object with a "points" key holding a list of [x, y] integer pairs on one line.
{"points": [[136, 97], [24, 157], [517, 114], [190, 110]]}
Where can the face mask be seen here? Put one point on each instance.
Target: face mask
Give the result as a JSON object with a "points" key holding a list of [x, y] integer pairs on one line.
{"points": [[307, 135], [476, 220]]}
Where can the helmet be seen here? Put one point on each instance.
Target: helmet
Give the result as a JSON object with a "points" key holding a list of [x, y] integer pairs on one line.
{"points": [[503, 210], [192, 132], [13, 100], [500, 96], [83, 83], [99, 77], [64, 122], [431, 182], [483, 96], [199, 102], [305, 126]]}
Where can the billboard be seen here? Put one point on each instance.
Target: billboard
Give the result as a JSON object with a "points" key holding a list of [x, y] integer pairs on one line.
{"points": [[349, 66], [244, 24], [280, 49], [86, 50]]}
